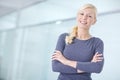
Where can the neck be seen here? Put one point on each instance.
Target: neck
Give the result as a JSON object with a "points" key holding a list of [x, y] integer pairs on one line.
{"points": [[83, 34]]}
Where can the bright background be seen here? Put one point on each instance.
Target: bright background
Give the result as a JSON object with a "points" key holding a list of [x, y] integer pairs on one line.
{"points": [[28, 38]]}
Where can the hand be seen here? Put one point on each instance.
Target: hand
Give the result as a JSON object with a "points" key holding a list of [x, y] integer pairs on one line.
{"points": [[97, 57], [59, 57]]}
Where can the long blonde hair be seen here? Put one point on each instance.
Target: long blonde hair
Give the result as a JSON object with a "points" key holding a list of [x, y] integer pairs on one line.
{"points": [[74, 32]]}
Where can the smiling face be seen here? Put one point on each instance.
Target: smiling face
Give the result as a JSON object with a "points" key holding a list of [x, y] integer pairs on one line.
{"points": [[86, 17]]}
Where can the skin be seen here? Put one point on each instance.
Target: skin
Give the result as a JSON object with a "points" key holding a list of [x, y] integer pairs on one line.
{"points": [[85, 18]]}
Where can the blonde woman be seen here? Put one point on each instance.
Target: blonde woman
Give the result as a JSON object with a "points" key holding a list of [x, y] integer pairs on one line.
{"points": [[78, 54]]}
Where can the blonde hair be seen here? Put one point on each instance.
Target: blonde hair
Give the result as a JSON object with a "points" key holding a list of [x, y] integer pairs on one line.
{"points": [[74, 32], [71, 36], [89, 6]]}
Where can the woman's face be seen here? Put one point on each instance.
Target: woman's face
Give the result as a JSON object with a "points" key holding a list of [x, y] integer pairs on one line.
{"points": [[86, 18]]}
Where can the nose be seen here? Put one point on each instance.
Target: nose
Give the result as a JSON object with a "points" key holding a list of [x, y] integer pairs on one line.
{"points": [[84, 17]]}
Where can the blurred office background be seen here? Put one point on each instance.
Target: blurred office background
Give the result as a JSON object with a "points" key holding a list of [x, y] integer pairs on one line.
{"points": [[29, 30]]}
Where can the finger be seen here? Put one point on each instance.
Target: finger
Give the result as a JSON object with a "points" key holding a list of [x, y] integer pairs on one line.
{"points": [[58, 51], [98, 55], [100, 58], [54, 54], [54, 58]]}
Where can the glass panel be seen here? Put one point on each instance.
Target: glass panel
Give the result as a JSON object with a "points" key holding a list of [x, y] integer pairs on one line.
{"points": [[38, 46], [10, 45], [8, 21]]}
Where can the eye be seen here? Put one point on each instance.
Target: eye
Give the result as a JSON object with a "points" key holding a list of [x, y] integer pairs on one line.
{"points": [[90, 16], [81, 13]]}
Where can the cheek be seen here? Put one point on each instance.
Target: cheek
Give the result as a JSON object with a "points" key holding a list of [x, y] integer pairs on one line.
{"points": [[93, 22], [77, 18]]}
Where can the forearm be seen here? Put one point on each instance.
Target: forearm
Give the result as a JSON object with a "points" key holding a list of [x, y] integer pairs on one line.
{"points": [[91, 67], [95, 66], [60, 63], [59, 67], [73, 64], [64, 64]]}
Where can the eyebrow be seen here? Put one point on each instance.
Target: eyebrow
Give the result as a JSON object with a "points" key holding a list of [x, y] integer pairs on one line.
{"points": [[83, 12]]}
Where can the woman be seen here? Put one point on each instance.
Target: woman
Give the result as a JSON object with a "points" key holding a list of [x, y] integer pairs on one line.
{"points": [[78, 54]]}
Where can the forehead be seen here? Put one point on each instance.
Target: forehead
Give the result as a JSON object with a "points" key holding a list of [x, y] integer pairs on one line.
{"points": [[88, 11]]}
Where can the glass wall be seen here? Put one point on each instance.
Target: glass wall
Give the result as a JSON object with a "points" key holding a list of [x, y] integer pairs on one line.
{"points": [[25, 52]]}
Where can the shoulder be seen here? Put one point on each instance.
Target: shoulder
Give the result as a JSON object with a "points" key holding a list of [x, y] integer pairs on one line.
{"points": [[63, 35], [61, 38], [98, 40]]}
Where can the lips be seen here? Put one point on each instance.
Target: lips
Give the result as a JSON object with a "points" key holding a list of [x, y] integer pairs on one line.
{"points": [[83, 22]]}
